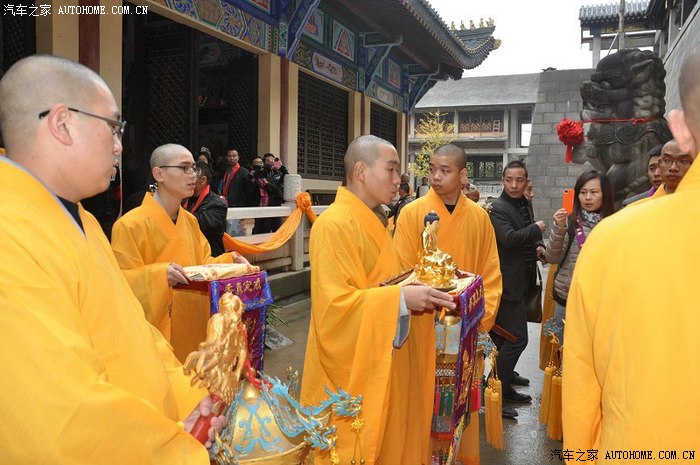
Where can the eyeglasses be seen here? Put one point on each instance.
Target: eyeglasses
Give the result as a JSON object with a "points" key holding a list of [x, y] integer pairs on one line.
{"points": [[118, 127], [684, 163], [187, 169]]}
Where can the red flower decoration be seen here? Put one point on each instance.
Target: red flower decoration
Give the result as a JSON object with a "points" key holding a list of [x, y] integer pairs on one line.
{"points": [[570, 133]]}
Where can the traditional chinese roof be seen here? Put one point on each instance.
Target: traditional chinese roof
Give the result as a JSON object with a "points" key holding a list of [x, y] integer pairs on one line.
{"points": [[609, 13], [514, 89], [470, 54], [426, 39]]}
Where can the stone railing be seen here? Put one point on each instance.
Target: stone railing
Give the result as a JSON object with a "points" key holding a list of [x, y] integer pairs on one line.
{"points": [[292, 255]]}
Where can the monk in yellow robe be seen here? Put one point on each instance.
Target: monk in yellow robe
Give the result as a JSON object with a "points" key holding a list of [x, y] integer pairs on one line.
{"points": [[466, 233], [630, 361], [154, 241], [359, 337], [86, 379]]}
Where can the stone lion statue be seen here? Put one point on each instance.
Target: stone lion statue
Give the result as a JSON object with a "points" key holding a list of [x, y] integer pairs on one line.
{"points": [[628, 85]]}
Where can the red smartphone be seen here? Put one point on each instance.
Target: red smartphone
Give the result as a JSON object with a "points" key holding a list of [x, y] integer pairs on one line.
{"points": [[567, 201]]}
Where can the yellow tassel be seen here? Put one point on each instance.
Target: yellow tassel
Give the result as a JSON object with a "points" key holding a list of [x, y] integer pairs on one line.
{"points": [[498, 387], [497, 433], [546, 390], [488, 421], [554, 430]]}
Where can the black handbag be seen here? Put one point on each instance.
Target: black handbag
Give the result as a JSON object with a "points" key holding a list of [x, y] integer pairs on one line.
{"points": [[533, 299]]}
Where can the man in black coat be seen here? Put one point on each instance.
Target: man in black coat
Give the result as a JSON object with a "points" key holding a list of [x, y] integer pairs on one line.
{"points": [[209, 209], [235, 186], [519, 240]]}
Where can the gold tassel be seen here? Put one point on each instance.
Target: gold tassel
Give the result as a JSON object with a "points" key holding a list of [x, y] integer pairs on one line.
{"points": [[554, 430], [547, 384], [498, 387], [546, 390], [497, 433], [488, 420], [494, 407]]}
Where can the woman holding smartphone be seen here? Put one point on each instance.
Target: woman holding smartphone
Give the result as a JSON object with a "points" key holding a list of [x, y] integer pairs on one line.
{"points": [[593, 201]]}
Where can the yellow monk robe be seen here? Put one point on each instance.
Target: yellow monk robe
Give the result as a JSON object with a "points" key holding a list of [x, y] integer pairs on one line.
{"points": [[632, 319], [145, 242], [466, 234], [86, 379], [350, 343]]}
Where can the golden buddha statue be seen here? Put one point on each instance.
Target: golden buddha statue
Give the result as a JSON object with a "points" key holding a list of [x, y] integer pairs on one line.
{"points": [[435, 268]]}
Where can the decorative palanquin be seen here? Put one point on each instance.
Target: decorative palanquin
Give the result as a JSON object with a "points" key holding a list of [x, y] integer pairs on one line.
{"points": [[457, 392]]}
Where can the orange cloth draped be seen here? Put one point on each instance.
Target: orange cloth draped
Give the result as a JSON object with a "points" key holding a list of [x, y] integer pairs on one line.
{"points": [[282, 235]]}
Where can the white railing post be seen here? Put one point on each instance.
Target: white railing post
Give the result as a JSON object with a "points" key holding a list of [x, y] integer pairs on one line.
{"points": [[292, 187]]}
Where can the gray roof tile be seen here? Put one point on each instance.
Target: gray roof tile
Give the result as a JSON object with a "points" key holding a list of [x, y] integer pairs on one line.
{"points": [[483, 91], [588, 14]]}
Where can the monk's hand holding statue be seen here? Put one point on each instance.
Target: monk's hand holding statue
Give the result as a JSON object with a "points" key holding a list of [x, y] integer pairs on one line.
{"points": [[420, 297]]}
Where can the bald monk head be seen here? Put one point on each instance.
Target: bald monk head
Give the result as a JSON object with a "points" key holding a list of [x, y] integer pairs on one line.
{"points": [[448, 172], [674, 164], [173, 168], [59, 120], [371, 170], [685, 125]]}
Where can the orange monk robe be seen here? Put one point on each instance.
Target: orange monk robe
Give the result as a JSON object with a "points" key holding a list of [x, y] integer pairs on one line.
{"points": [[145, 242], [467, 235], [350, 342], [86, 379]]}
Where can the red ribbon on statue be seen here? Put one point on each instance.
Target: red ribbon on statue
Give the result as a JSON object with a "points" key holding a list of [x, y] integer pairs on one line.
{"points": [[570, 133]]}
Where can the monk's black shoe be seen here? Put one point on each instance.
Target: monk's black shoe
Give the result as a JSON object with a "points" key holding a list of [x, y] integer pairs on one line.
{"points": [[519, 380], [509, 412], [516, 397]]}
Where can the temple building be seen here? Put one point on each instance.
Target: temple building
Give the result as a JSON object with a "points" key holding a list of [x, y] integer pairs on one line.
{"points": [[492, 118], [297, 78]]}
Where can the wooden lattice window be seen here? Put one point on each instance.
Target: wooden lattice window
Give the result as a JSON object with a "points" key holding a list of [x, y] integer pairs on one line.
{"points": [[485, 168], [323, 129], [383, 123], [480, 121], [17, 39]]}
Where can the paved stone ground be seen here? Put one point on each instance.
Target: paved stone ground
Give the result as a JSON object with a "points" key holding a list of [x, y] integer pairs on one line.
{"points": [[526, 439]]}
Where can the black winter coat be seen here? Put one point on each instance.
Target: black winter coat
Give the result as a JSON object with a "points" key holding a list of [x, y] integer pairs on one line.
{"points": [[513, 238], [211, 216]]}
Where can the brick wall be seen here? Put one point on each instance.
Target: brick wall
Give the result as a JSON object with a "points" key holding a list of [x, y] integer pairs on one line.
{"points": [[558, 97]]}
